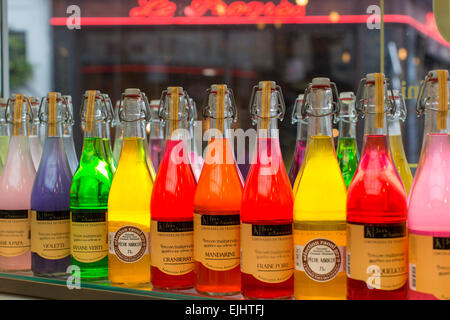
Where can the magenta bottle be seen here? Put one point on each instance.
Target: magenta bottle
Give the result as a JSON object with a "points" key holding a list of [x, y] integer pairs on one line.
{"points": [[301, 141]]}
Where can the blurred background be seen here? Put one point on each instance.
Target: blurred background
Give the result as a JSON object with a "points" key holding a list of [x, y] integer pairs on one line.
{"points": [[152, 44]]}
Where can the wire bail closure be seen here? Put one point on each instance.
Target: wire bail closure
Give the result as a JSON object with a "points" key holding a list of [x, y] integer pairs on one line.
{"points": [[422, 101], [66, 114], [352, 116], [206, 108], [336, 103], [362, 98], [296, 117], [253, 106], [187, 113], [29, 116], [145, 113]]}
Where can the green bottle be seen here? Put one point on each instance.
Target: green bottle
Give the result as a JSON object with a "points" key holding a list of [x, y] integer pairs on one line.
{"points": [[89, 194], [347, 149]]}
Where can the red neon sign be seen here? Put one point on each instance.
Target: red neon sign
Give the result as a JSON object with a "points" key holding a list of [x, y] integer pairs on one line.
{"points": [[218, 8]]}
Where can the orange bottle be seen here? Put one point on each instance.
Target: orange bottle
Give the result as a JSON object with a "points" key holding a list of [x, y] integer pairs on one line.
{"points": [[217, 203]]}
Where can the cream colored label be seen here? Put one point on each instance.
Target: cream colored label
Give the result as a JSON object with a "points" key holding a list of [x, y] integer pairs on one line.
{"points": [[216, 241], [129, 244], [50, 234], [429, 263], [377, 254], [267, 252], [14, 232], [172, 250], [320, 254], [88, 236]]}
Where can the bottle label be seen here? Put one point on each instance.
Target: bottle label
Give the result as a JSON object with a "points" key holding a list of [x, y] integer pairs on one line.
{"points": [[88, 235], [377, 254], [14, 232], [50, 234], [216, 241], [172, 249], [320, 254], [129, 244], [429, 264], [267, 252]]}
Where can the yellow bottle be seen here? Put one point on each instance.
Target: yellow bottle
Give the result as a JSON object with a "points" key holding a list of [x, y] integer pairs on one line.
{"points": [[320, 206], [396, 143], [129, 199]]}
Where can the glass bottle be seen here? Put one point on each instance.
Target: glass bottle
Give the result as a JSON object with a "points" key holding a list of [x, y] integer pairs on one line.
{"points": [[69, 144], [217, 202], [129, 197], [301, 141], [267, 205], [156, 136], [172, 206], [4, 133], [50, 198], [89, 193], [376, 206], [320, 226], [347, 148], [16, 181], [396, 141], [34, 134], [118, 137], [107, 132], [429, 199]]}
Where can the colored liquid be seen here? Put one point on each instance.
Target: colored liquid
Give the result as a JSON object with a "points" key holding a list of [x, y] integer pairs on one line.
{"points": [[51, 192], [400, 161], [117, 149], [429, 200], [375, 196], [129, 205], [219, 192], [299, 154], [267, 200], [347, 154], [36, 150], [173, 201], [156, 151], [109, 156], [89, 194], [321, 177], [71, 153], [16, 182], [4, 143]]}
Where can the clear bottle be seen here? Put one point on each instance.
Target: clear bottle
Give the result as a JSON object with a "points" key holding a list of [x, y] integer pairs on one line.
{"points": [[396, 141], [107, 131], [118, 137], [195, 157], [69, 144], [320, 226], [217, 202], [50, 198], [129, 197], [376, 206], [16, 182], [267, 205], [429, 199], [301, 141], [347, 148], [172, 206], [34, 134], [4, 133], [156, 136]]}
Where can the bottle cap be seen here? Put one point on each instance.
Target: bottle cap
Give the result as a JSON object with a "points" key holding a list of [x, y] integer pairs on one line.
{"points": [[272, 84], [347, 95], [320, 82], [433, 74], [132, 92]]}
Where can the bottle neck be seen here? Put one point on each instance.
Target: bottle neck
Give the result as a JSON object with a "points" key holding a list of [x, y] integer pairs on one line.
{"points": [[394, 127], [97, 130], [215, 132], [302, 131], [432, 120], [135, 129], [21, 129], [156, 130], [347, 129], [370, 127], [176, 130], [320, 126], [269, 131]]}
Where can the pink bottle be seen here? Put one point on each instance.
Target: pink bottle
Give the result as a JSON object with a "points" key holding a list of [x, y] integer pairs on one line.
{"points": [[429, 199], [16, 182]]}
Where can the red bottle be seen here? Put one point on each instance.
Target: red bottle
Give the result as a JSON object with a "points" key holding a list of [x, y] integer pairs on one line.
{"points": [[377, 249], [172, 204], [267, 256]]}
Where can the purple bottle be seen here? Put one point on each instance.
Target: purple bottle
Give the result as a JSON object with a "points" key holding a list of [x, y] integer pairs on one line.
{"points": [[50, 197], [302, 139]]}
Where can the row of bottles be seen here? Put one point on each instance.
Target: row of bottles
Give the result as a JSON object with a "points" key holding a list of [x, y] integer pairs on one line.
{"points": [[328, 236]]}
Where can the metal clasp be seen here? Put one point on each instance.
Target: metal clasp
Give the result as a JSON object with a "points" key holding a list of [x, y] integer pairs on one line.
{"points": [[253, 106]]}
